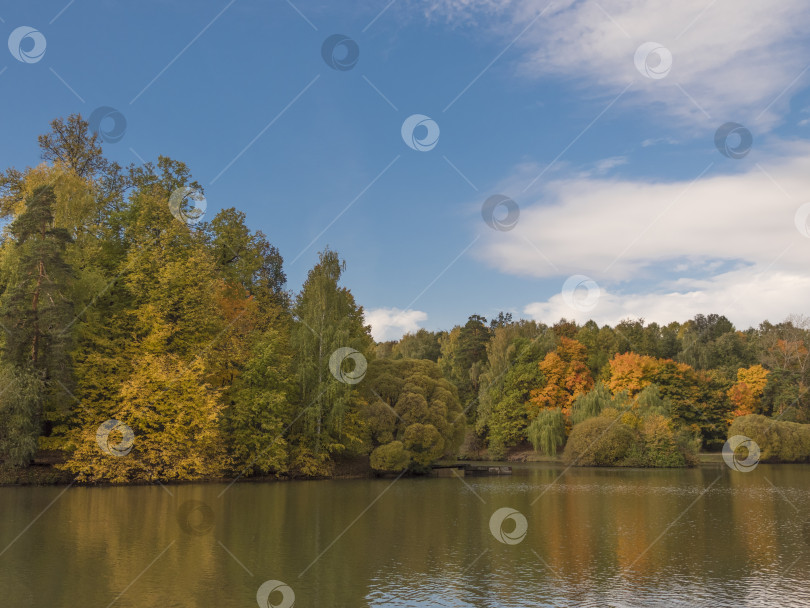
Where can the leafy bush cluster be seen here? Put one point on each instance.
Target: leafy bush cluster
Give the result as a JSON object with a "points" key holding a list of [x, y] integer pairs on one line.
{"points": [[778, 441], [619, 431], [414, 415]]}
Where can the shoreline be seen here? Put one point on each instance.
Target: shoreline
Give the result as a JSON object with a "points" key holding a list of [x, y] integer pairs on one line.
{"points": [[43, 475]]}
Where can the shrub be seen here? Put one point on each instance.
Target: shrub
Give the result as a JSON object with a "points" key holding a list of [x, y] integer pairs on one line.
{"points": [[496, 450], [305, 463], [778, 441], [424, 444], [601, 441], [664, 444], [627, 440], [390, 458]]}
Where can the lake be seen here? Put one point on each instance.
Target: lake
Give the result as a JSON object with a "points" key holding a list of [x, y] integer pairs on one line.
{"points": [[707, 536]]}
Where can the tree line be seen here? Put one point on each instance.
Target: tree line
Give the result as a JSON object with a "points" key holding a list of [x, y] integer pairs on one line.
{"points": [[142, 342], [523, 382]]}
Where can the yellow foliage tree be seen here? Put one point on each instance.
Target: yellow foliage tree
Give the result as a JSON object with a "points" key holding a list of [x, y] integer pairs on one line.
{"points": [[174, 417], [746, 393]]}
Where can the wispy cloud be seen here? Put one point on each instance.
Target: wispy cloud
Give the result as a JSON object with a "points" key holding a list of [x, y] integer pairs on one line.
{"points": [[731, 59], [659, 141]]}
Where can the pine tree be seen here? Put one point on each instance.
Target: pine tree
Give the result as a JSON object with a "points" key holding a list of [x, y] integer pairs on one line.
{"points": [[36, 313]]}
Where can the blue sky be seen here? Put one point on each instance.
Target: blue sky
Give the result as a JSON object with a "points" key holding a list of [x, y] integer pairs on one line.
{"points": [[627, 207]]}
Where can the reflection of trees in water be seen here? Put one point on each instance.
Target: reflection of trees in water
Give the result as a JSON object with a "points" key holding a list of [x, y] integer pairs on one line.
{"points": [[425, 539]]}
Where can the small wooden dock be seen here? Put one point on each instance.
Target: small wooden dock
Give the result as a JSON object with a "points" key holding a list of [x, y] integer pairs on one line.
{"points": [[471, 470]]}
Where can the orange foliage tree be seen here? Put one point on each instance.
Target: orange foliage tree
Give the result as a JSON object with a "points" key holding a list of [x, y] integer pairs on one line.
{"points": [[631, 372], [566, 376]]}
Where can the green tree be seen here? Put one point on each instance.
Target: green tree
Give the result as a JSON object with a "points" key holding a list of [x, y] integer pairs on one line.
{"points": [[423, 444], [36, 312], [423, 344], [247, 259], [260, 410], [327, 319], [590, 404], [547, 431], [403, 394], [462, 360], [785, 351], [35, 307], [20, 402], [503, 415]]}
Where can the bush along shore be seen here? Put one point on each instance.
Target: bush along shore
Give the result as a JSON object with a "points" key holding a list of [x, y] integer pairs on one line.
{"points": [[777, 440]]}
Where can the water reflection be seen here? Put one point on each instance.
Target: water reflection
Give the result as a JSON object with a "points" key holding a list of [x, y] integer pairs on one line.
{"points": [[596, 537]]}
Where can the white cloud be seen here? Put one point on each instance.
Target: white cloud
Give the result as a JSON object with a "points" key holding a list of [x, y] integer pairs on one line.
{"points": [[620, 229], [737, 60], [393, 323], [746, 296], [666, 250]]}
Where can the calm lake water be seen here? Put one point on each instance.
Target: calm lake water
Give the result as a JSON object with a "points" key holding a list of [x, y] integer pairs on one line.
{"points": [[595, 537]]}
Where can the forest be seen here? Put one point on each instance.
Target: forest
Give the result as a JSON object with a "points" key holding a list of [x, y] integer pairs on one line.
{"points": [[144, 342]]}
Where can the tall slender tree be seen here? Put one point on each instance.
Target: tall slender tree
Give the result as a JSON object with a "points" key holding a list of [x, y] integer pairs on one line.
{"points": [[327, 319], [36, 313]]}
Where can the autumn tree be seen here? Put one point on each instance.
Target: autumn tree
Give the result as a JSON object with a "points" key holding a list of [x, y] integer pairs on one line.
{"points": [[149, 328], [746, 393], [175, 420], [631, 372], [566, 375], [698, 398]]}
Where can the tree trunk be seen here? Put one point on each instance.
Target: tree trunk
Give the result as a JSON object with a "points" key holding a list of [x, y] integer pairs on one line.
{"points": [[35, 308]]}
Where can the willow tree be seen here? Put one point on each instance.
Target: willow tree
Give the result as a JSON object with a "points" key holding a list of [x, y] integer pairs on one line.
{"points": [[547, 431]]}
